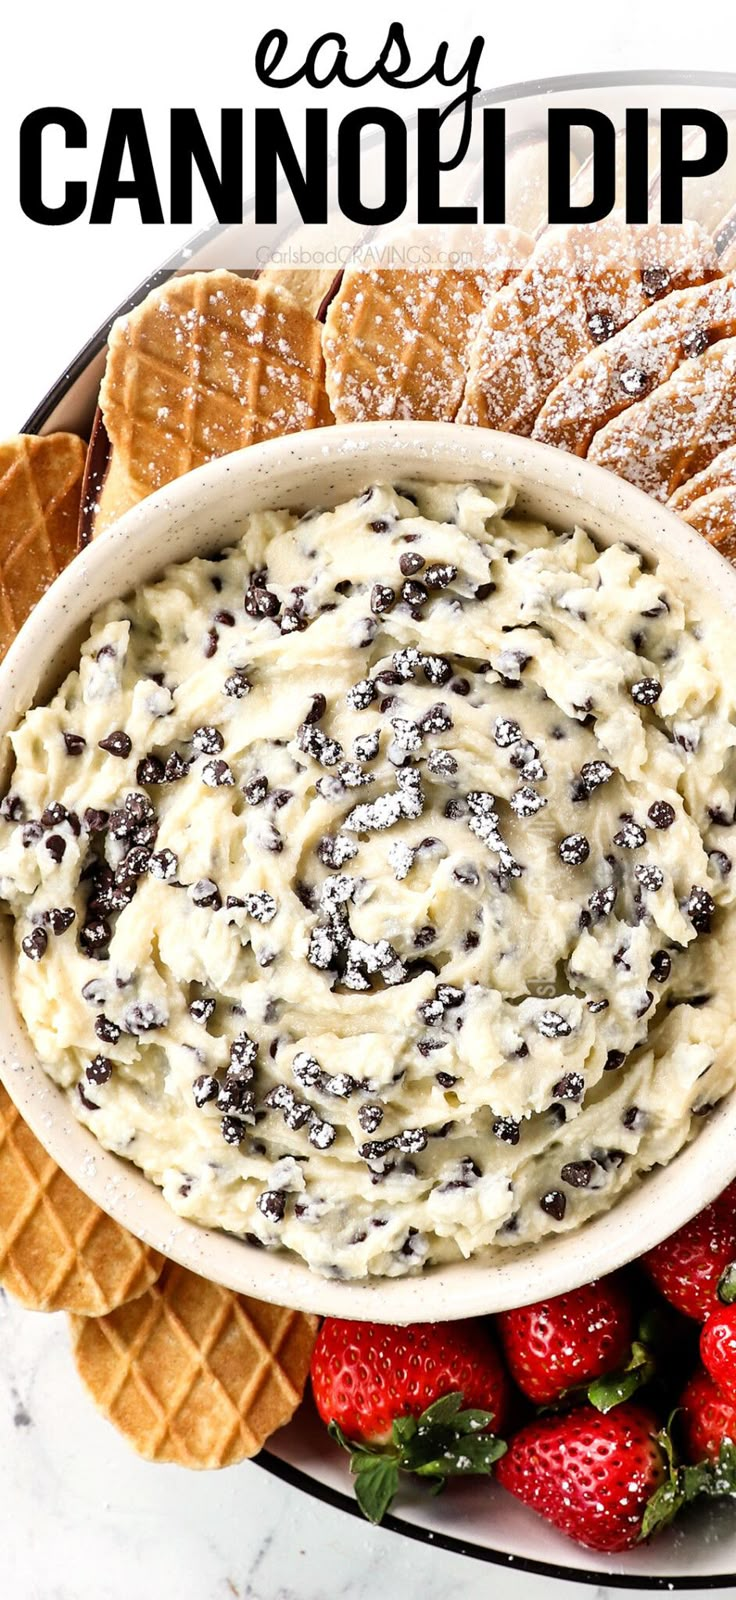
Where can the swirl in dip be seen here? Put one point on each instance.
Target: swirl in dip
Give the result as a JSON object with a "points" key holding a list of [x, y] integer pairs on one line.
{"points": [[372, 882]]}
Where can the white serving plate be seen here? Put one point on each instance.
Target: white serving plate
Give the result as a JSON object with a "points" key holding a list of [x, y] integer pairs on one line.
{"points": [[484, 1524]]}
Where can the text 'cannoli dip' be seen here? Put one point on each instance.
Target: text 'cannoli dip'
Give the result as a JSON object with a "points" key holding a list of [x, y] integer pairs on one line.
{"points": [[372, 881]]}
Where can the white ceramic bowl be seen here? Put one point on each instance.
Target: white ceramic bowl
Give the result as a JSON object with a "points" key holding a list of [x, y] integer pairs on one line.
{"points": [[197, 515]]}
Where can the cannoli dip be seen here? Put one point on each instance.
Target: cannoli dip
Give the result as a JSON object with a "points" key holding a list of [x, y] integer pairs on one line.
{"points": [[372, 881]]}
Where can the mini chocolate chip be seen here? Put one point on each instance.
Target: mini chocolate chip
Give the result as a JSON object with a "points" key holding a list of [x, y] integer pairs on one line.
{"points": [[202, 1009], [149, 770], [34, 944], [95, 935], [630, 836], [446, 1080], [413, 593], [554, 1203], [91, 1105], [176, 767], [646, 692], [117, 744], [59, 918], [601, 326], [459, 686], [634, 381], [577, 1173], [614, 1060], [99, 1070], [107, 1030], [163, 865], [569, 1087], [650, 877], [12, 808], [207, 740], [75, 744], [507, 1129], [206, 893], [655, 281], [205, 1089], [574, 849], [661, 966], [370, 1118], [261, 602], [383, 597], [225, 619], [630, 1118], [439, 574], [700, 907], [216, 774], [661, 814], [379, 525], [424, 936], [233, 1130], [272, 1204], [238, 684]]}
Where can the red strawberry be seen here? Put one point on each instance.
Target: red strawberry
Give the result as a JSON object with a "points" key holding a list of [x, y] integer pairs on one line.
{"points": [[559, 1343], [418, 1399], [706, 1418], [688, 1266], [590, 1475], [718, 1349]]}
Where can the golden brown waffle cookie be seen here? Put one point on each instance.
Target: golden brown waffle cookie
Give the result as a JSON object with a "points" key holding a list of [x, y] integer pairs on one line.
{"points": [[307, 285], [207, 364], [720, 474], [639, 358], [714, 515], [580, 287], [58, 1251], [677, 431], [193, 1373], [396, 339], [40, 491]]}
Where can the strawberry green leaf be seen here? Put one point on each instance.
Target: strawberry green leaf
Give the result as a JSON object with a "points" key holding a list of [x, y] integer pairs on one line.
{"points": [[375, 1487], [468, 1456], [404, 1429], [472, 1421], [441, 1411], [663, 1507], [727, 1285], [609, 1391]]}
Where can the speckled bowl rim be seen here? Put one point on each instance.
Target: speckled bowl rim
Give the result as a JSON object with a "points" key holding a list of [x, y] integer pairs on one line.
{"points": [[198, 514]]}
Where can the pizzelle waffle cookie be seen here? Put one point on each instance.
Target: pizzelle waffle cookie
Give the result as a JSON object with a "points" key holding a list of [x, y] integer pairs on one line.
{"points": [[676, 431], [195, 1374], [208, 363], [58, 1251], [581, 285], [40, 493], [714, 516], [635, 361], [396, 339], [719, 474]]}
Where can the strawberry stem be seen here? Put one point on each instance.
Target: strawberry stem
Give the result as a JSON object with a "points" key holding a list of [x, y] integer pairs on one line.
{"points": [[442, 1443]]}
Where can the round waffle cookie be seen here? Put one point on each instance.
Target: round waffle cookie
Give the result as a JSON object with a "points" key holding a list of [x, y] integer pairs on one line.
{"points": [[719, 474], [580, 287], [714, 516], [396, 339], [678, 430], [635, 361], [206, 364], [195, 1374], [40, 493], [58, 1251]]}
